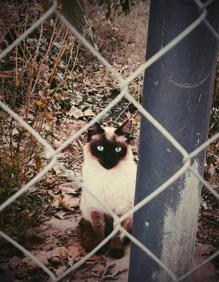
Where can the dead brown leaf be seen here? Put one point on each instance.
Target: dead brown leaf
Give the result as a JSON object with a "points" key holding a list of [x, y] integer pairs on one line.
{"points": [[69, 188], [69, 203]]}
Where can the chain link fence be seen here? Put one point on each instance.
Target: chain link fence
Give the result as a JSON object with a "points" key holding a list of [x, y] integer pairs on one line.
{"points": [[52, 155]]}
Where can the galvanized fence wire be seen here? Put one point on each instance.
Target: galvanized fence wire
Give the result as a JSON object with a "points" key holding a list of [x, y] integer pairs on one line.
{"points": [[52, 154]]}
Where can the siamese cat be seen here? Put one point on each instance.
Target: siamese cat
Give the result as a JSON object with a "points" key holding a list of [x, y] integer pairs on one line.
{"points": [[109, 172]]}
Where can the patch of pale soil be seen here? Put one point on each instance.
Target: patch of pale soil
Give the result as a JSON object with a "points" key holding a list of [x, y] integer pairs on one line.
{"points": [[133, 29], [104, 269], [62, 243], [122, 41], [208, 272], [57, 225]]}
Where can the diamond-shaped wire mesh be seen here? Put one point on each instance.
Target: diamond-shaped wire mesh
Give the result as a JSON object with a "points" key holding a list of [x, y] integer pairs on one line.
{"points": [[124, 93]]}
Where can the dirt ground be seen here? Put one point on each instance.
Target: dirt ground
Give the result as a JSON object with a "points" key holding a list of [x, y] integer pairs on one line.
{"points": [[123, 41]]}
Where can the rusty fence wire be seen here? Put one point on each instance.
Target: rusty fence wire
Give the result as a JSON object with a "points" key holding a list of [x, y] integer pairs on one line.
{"points": [[52, 155]]}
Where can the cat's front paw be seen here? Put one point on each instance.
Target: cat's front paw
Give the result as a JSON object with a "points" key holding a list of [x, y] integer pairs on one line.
{"points": [[89, 240], [116, 247], [116, 253]]}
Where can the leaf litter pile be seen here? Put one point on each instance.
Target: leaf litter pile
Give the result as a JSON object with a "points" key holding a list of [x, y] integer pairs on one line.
{"points": [[56, 86]]}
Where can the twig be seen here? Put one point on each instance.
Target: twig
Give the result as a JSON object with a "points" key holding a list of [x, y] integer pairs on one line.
{"points": [[39, 42], [29, 93], [209, 221], [114, 276]]}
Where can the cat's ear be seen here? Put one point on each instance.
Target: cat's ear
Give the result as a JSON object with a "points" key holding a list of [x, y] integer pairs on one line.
{"points": [[95, 129], [125, 129]]}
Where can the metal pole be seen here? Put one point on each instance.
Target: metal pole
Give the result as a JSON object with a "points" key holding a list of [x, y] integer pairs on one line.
{"points": [[177, 92]]}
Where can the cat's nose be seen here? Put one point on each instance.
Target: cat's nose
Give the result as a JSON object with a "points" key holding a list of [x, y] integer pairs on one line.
{"points": [[108, 164]]}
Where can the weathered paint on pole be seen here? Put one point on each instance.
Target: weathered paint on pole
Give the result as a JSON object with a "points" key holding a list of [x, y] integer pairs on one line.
{"points": [[177, 92]]}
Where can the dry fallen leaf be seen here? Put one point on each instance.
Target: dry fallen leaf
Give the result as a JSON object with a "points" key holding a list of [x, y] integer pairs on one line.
{"points": [[73, 252], [57, 200], [69, 188], [60, 215], [89, 113], [66, 201], [47, 257], [75, 112], [69, 202], [64, 196]]}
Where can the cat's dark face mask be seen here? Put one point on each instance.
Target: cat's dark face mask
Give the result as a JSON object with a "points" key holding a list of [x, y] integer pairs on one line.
{"points": [[109, 152]]}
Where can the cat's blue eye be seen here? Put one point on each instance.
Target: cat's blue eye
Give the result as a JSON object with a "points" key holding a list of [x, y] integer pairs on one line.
{"points": [[118, 149], [100, 148]]}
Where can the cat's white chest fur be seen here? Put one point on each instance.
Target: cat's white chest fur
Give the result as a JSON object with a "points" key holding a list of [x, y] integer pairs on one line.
{"points": [[114, 187]]}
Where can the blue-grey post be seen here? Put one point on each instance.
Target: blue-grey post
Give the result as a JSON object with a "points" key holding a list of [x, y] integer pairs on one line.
{"points": [[178, 93]]}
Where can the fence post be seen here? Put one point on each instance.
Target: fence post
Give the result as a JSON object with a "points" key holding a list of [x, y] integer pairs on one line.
{"points": [[177, 92]]}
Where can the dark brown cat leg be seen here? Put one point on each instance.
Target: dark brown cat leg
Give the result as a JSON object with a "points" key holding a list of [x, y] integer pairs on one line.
{"points": [[116, 247], [118, 241], [88, 238], [108, 224]]}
